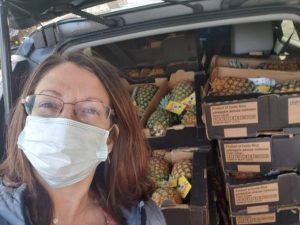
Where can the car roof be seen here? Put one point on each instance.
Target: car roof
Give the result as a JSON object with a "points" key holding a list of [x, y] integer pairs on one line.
{"points": [[26, 13]]}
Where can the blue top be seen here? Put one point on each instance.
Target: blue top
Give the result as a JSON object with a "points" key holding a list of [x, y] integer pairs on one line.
{"points": [[12, 209]]}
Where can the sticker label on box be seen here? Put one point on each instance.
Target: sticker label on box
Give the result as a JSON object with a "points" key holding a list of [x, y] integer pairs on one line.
{"points": [[235, 132], [248, 152], [248, 168], [294, 110], [256, 194], [234, 114], [256, 219], [257, 209]]}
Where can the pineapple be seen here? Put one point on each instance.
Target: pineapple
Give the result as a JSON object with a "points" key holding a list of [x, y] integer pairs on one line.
{"points": [[272, 65], [161, 119], [231, 86], [279, 65], [189, 116], [142, 96], [166, 193], [159, 153], [181, 90], [182, 168], [159, 169], [134, 73], [286, 87]]}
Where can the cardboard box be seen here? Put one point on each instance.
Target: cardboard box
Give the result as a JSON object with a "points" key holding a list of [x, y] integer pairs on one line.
{"points": [[289, 64], [247, 73], [177, 135], [265, 196], [197, 211], [247, 116], [283, 216], [260, 155], [165, 88], [159, 82], [186, 215], [180, 136], [277, 202]]}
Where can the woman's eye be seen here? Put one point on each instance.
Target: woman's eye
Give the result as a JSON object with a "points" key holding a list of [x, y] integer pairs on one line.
{"points": [[90, 111], [48, 105]]}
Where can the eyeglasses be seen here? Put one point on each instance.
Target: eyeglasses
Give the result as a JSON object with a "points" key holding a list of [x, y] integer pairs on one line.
{"points": [[91, 112]]}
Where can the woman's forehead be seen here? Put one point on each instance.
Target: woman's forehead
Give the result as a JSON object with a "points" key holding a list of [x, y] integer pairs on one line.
{"points": [[71, 80]]}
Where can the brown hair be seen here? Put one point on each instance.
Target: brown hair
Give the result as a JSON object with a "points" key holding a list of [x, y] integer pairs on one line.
{"points": [[126, 179]]}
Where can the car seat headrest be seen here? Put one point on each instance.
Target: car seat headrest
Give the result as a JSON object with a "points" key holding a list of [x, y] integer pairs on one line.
{"points": [[252, 37]]}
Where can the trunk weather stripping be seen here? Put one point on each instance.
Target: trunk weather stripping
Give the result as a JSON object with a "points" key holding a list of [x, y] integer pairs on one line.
{"points": [[5, 60]]}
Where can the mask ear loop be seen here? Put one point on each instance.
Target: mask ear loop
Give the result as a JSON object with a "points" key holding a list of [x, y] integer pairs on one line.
{"points": [[116, 127]]}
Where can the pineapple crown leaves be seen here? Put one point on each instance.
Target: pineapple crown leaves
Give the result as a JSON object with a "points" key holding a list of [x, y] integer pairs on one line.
{"points": [[163, 104], [164, 101]]}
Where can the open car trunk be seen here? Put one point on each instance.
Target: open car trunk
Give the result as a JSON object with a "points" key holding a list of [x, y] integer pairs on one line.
{"points": [[239, 126], [241, 51]]}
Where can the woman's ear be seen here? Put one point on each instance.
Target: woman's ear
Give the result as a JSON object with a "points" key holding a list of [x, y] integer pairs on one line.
{"points": [[113, 136]]}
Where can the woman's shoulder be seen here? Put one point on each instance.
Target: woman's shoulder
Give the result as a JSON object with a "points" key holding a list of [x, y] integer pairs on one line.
{"points": [[11, 190], [11, 204], [145, 212], [153, 214]]}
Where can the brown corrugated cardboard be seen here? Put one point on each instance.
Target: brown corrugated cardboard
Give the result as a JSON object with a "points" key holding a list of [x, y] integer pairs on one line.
{"points": [[247, 73], [262, 155], [160, 83], [283, 216], [265, 196], [196, 212], [165, 87], [237, 117], [180, 136], [186, 215], [177, 135], [290, 64]]}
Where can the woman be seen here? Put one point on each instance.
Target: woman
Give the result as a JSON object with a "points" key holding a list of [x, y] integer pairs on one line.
{"points": [[75, 150]]}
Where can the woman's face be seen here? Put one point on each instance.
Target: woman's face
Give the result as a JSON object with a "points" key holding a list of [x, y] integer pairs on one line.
{"points": [[72, 84]]}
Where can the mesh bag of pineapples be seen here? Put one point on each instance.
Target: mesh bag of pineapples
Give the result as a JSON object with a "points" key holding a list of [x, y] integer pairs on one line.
{"points": [[164, 174], [164, 117]]}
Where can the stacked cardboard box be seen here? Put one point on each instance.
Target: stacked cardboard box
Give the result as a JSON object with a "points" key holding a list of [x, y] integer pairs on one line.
{"points": [[195, 209], [274, 201], [196, 212], [258, 142], [178, 135]]}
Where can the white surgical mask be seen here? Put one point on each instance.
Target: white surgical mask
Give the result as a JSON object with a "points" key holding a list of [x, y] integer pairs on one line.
{"points": [[63, 151]]}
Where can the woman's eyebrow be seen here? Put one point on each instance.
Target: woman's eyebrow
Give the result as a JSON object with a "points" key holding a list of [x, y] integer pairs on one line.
{"points": [[94, 98], [56, 93]]}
